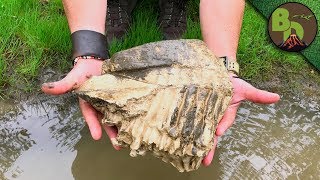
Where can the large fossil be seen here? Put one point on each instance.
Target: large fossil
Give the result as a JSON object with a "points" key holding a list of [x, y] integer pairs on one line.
{"points": [[165, 97]]}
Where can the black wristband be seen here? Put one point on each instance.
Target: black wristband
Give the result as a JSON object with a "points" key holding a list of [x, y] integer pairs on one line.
{"points": [[89, 43]]}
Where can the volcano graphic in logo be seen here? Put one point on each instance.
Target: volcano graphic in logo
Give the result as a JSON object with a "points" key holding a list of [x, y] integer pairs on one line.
{"points": [[292, 27], [293, 43]]}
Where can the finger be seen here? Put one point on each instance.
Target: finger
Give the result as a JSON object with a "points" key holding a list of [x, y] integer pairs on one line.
{"points": [[91, 117], [260, 96], [112, 134], [227, 119], [208, 158]]}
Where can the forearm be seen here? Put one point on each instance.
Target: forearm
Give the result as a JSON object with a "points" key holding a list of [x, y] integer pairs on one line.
{"points": [[86, 14], [221, 22]]}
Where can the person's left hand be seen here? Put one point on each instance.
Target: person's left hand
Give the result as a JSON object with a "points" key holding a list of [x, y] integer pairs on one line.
{"points": [[242, 91]]}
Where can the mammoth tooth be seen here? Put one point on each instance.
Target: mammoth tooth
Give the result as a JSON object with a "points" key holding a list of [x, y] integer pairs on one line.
{"points": [[165, 98]]}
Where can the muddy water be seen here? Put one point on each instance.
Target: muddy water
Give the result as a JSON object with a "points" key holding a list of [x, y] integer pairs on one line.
{"points": [[45, 138]]}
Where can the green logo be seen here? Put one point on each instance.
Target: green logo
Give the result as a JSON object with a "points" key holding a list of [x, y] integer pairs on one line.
{"points": [[292, 27]]}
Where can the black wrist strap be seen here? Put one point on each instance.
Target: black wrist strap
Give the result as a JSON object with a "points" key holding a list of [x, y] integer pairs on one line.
{"points": [[89, 43]]}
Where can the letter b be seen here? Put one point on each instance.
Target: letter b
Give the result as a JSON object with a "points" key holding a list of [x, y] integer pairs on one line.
{"points": [[280, 20]]}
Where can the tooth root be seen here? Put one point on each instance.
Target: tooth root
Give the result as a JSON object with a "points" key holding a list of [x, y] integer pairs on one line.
{"points": [[186, 163], [133, 153], [128, 126], [188, 149], [142, 152], [162, 142], [178, 164], [197, 162], [146, 135], [136, 128], [167, 144], [157, 153], [176, 143], [174, 146], [135, 145], [165, 159], [153, 137]]}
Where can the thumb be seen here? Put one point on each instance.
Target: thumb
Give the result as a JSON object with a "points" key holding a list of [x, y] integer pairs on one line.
{"points": [[260, 96], [63, 86], [83, 70]]}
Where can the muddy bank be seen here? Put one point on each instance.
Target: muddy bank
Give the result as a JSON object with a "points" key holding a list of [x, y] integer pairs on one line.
{"points": [[286, 82]]}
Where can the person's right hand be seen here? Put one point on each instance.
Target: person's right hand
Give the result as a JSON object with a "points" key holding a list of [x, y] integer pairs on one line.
{"points": [[83, 70]]}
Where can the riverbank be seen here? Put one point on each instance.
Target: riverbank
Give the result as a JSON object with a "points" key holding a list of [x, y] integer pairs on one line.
{"points": [[35, 46]]}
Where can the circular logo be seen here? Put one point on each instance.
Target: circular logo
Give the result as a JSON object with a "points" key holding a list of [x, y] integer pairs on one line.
{"points": [[292, 27]]}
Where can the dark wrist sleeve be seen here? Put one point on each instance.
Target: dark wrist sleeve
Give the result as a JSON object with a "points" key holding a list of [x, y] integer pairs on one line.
{"points": [[89, 43]]}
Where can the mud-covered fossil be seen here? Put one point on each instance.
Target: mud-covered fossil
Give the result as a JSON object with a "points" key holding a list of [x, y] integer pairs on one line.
{"points": [[165, 97]]}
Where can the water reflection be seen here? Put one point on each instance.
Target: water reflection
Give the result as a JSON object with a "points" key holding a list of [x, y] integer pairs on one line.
{"points": [[272, 142], [13, 140], [103, 162], [42, 139], [39, 137]]}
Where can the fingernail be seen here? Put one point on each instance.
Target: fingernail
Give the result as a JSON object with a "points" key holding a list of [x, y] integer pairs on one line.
{"points": [[48, 85], [117, 148], [220, 131], [114, 142]]}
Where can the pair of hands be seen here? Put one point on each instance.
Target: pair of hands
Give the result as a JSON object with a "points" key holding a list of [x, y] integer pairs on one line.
{"points": [[85, 68]]}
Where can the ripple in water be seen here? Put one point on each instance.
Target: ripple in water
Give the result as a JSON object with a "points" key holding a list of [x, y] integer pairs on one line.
{"points": [[42, 139]]}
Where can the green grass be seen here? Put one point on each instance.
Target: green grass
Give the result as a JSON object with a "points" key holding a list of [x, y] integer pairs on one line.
{"points": [[34, 35]]}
